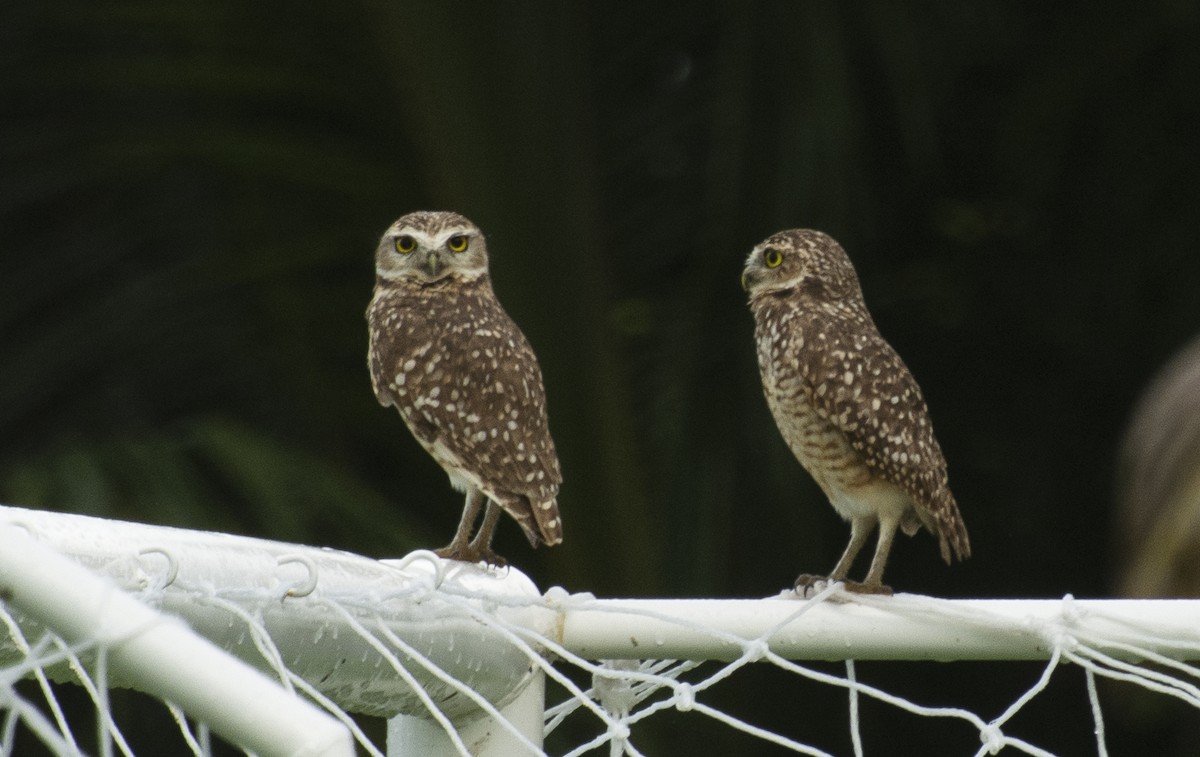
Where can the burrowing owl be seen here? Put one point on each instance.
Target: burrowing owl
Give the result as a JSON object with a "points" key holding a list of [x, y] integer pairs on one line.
{"points": [[845, 402], [445, 354]]}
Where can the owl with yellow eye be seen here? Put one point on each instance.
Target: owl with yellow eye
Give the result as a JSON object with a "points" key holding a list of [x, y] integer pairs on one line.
{"points": [[464, 379], [845, 402]]}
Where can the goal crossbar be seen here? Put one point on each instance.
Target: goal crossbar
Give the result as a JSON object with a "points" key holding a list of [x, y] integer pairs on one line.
{"points": [[901, 627], [160, 563]]}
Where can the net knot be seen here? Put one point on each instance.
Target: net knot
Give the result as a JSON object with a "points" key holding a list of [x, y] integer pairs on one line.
{"points": [[756, 650], [558, 598], [992, 738], [1071, 612], [1065, 642], [685, 697], [614, 691]]}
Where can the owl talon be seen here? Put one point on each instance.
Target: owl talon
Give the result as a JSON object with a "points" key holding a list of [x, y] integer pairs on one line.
{"points": [[494, 560], [472, 554], [808, 585], [806, 580]]}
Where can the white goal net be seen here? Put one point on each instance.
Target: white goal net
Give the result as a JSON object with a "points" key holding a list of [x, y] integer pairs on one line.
{"points": [[273, 648]]}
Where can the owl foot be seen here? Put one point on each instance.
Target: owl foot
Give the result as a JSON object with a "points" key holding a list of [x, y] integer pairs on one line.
{"points": [[471, 553], [854, 587], [808, 585]]}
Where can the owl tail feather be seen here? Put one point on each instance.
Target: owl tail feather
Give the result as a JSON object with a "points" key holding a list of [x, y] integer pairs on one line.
{"points": [[538, 521], [952, 534], [943, 520], [548, 521]]}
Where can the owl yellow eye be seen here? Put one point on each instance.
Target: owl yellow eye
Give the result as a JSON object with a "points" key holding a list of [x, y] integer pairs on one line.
{"points": [[457, 243], [772, 257], [405, 244]]}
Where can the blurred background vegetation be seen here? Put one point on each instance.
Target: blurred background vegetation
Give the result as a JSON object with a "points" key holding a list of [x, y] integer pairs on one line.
{"points": [[190, 195]]}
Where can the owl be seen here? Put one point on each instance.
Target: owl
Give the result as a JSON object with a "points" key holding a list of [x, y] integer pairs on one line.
{"points": [[447, 356], [845, 403]]}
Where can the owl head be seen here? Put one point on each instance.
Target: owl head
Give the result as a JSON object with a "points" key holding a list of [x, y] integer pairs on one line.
{"points": [[427, 246], [803, 262]]}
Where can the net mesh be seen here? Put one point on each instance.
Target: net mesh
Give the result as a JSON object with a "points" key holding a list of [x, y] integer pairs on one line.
{"points": [[626, 694], [740, 694], [36, 720]]}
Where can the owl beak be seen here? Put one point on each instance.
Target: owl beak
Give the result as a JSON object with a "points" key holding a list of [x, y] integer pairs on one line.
{"points": [[746, 280], [433, 262]]}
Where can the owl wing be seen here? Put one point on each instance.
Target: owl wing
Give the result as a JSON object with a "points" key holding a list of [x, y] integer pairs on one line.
{"points": [[859, 383], [505, 436], [507, 428], [468, 385]]}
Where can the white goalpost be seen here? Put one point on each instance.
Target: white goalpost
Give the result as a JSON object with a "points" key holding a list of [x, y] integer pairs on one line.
{"points": [[277, 647]]}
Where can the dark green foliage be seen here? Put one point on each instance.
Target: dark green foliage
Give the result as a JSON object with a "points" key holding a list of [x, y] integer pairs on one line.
{"points": [[190, 195]]}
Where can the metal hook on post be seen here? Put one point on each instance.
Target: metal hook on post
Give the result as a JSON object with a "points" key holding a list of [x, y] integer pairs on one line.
{"points": [[309, 584]]}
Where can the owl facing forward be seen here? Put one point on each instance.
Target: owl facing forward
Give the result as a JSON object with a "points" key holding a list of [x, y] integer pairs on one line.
{"points": [[447, 356], [845, 403]]}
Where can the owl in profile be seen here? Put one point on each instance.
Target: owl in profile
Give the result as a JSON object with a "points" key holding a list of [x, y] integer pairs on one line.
{"points": [[447, 356], [845, 402]]}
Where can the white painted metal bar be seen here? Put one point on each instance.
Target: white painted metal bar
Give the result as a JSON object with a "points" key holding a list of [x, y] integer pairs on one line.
{"points": [[434, 639], [903, 627], [417, 736], [310, 601]]}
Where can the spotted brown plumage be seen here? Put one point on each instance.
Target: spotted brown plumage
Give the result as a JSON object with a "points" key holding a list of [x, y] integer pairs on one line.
{"points": [[845, 402], [448, 357]]}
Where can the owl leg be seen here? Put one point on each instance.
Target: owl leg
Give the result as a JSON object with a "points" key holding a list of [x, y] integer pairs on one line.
{"points": [[481, 546], [874, 583], [860, 530], [458, 547]]}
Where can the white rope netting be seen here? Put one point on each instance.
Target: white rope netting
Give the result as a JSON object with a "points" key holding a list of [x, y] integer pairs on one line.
{"points": [[453, 645]]}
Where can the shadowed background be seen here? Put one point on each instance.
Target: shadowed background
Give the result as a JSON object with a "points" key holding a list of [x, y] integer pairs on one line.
{"points": [[190, 196]]}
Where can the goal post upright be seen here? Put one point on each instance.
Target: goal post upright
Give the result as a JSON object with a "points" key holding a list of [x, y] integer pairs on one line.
{"points": [[483, 736]]}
